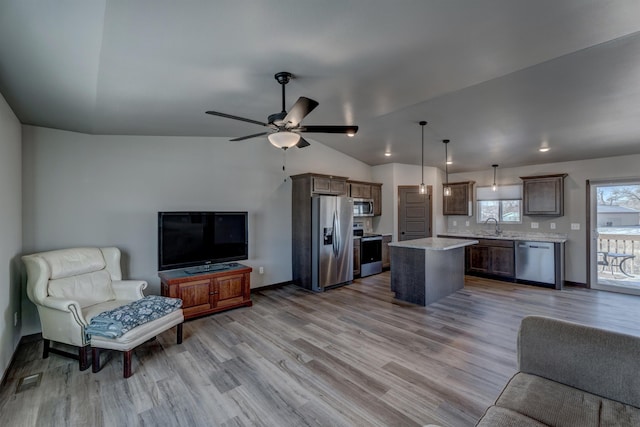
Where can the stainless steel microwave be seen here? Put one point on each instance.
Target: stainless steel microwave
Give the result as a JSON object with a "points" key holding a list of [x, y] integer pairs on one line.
{"points": [[362, 207]]}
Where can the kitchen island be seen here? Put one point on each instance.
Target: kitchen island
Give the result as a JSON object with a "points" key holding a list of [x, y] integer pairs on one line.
{"points": [[426, 270]]}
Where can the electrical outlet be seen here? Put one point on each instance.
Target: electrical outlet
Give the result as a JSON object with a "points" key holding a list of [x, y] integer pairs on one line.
{"points": [[15, 319], [466, 223], [534, 225], [575, 226], [455, 223], [552, 226], [261, 270]]}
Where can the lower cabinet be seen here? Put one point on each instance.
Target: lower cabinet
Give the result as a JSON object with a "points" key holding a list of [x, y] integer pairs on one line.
{"points": [[356, 257], [495, 257], [208, 292], [386, 256]]}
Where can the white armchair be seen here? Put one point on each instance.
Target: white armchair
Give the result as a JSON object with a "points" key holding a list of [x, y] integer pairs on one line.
{"points": [[70, 287]]}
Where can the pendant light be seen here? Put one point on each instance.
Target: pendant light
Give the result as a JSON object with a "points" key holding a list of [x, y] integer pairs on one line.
{"points": [[447, 189], [422, 186], [494, 187]]}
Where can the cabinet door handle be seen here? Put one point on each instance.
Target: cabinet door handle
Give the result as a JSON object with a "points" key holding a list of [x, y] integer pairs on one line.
{"points": [[213, 293]]}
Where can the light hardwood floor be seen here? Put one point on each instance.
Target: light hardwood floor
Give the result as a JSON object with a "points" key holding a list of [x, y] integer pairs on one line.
{"points": [[351, 356]]}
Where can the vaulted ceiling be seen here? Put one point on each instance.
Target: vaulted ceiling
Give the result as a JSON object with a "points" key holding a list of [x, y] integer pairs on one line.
{"points": [[499, 78]]}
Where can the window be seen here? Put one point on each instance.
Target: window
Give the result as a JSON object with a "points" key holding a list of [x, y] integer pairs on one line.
{"points": [[505, 204]]}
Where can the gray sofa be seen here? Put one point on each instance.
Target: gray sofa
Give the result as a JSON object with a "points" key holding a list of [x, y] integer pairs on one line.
{"points": [[570, 375]]}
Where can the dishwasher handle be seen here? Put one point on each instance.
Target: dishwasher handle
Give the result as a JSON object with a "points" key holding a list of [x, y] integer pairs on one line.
{"points": [[529, 245]]}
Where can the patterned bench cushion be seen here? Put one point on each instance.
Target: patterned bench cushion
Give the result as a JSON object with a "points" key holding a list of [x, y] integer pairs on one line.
{"points": [[117, 322]]}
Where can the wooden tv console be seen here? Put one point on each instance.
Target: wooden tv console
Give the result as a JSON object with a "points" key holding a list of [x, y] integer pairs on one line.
{"points": [[206, 292]]}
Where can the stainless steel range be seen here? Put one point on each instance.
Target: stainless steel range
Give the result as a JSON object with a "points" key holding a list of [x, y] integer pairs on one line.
{"points": [[370, 250], [370, 254]]}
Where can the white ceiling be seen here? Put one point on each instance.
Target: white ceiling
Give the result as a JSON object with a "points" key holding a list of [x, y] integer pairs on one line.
{"points": [[499, 78]]}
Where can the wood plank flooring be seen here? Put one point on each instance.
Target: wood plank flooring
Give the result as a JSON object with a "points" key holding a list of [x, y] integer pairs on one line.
{"points": [[352, 356]]}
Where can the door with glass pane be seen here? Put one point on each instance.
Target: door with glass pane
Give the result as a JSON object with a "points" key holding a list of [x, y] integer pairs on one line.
{"points": [[614, 236]]}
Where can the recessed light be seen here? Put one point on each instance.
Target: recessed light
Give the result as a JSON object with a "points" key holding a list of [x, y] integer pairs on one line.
{"points": [[387, 154], [543, 149], [449, 162]]}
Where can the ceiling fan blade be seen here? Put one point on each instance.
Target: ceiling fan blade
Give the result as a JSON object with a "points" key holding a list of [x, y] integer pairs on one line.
{"points": [[300, 109], [329, 129], [242, 138], [302, 143], [229, 116]]}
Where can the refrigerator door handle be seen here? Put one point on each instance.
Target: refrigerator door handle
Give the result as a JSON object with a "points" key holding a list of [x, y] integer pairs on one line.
{"points": [[336, 235]]}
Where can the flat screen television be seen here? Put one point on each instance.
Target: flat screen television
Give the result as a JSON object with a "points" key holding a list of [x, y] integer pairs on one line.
{"points": [[187, 239]]}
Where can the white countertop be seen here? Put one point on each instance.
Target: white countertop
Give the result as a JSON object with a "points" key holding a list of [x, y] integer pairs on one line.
{"points": [[434, 243], [510, 235]]}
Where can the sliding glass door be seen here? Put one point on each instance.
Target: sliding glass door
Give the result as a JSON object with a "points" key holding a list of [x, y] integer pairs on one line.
{"points": [[614, 240]]}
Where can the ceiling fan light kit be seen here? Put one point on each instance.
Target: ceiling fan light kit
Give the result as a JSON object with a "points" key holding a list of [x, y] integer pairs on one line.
{"points": [[283, 140], [286, 126]]}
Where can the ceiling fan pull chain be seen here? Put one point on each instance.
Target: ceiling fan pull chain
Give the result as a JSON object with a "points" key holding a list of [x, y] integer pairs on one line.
{"points": [[284, 163]]}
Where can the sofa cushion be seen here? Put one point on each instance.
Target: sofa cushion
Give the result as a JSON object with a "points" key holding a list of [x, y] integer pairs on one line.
{"points": [[87, 289], [72, 262], [503, 417], [558, 405]]}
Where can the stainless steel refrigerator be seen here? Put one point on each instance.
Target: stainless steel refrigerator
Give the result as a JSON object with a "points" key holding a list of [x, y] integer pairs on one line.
{"points": [[331, 241]]}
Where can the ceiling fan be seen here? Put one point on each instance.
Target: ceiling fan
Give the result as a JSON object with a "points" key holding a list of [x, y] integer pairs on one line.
{"points": [[285, 127]]}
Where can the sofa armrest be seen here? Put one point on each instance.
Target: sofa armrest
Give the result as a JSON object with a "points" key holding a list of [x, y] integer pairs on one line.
{"points": [[128, 289], [601, 362]]}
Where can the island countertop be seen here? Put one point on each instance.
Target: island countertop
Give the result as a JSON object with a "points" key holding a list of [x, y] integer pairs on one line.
{"points": [[434, 243]]}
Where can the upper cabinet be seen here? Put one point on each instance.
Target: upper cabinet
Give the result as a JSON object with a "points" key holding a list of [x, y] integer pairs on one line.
{"points": [[543, 195], [460, 202], [323, 184], [367, 190], [376, 195], [360, 190]]}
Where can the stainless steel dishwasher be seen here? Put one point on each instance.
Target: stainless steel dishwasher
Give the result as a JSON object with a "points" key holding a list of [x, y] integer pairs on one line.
{"points": [[535, 261]]}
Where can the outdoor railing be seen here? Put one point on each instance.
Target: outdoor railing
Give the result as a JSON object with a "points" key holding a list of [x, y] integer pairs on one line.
{"points": [[622, 244]]}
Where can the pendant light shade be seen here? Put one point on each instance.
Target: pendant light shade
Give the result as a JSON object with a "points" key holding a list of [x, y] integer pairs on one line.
{"points": [[423, 188], [447, 190], [494, 187], [283, 139]]}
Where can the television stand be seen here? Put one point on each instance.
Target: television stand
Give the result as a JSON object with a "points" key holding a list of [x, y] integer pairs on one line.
{"points": [[208, 291]]}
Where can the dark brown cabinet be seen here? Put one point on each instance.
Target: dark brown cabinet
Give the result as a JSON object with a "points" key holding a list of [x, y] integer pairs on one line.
{"points": [[376, 195], [543, 195], [386, 256], [356, 257], [360, 190], [460, 202], [208, 292], [494, 257], [326, 184]]}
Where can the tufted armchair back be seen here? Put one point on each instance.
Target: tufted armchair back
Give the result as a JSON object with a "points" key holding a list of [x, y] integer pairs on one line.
{"points": [[83, 275]]}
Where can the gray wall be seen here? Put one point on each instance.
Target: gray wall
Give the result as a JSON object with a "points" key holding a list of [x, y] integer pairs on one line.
{"points": [[10, 232], [106, 190]]}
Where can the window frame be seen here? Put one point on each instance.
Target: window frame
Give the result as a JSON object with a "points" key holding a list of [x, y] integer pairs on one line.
{"points": [[505, 194]]}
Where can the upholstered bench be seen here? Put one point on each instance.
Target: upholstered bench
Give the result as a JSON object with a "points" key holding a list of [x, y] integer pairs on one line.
{"points": [[128, 326]]}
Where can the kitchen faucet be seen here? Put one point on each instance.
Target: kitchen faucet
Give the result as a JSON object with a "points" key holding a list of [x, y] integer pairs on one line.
{"points": [[498, 230]]}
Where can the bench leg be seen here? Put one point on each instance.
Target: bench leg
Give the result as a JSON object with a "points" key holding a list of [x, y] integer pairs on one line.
{"points": [[179, 333], [95, 360], [126, 361]]}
